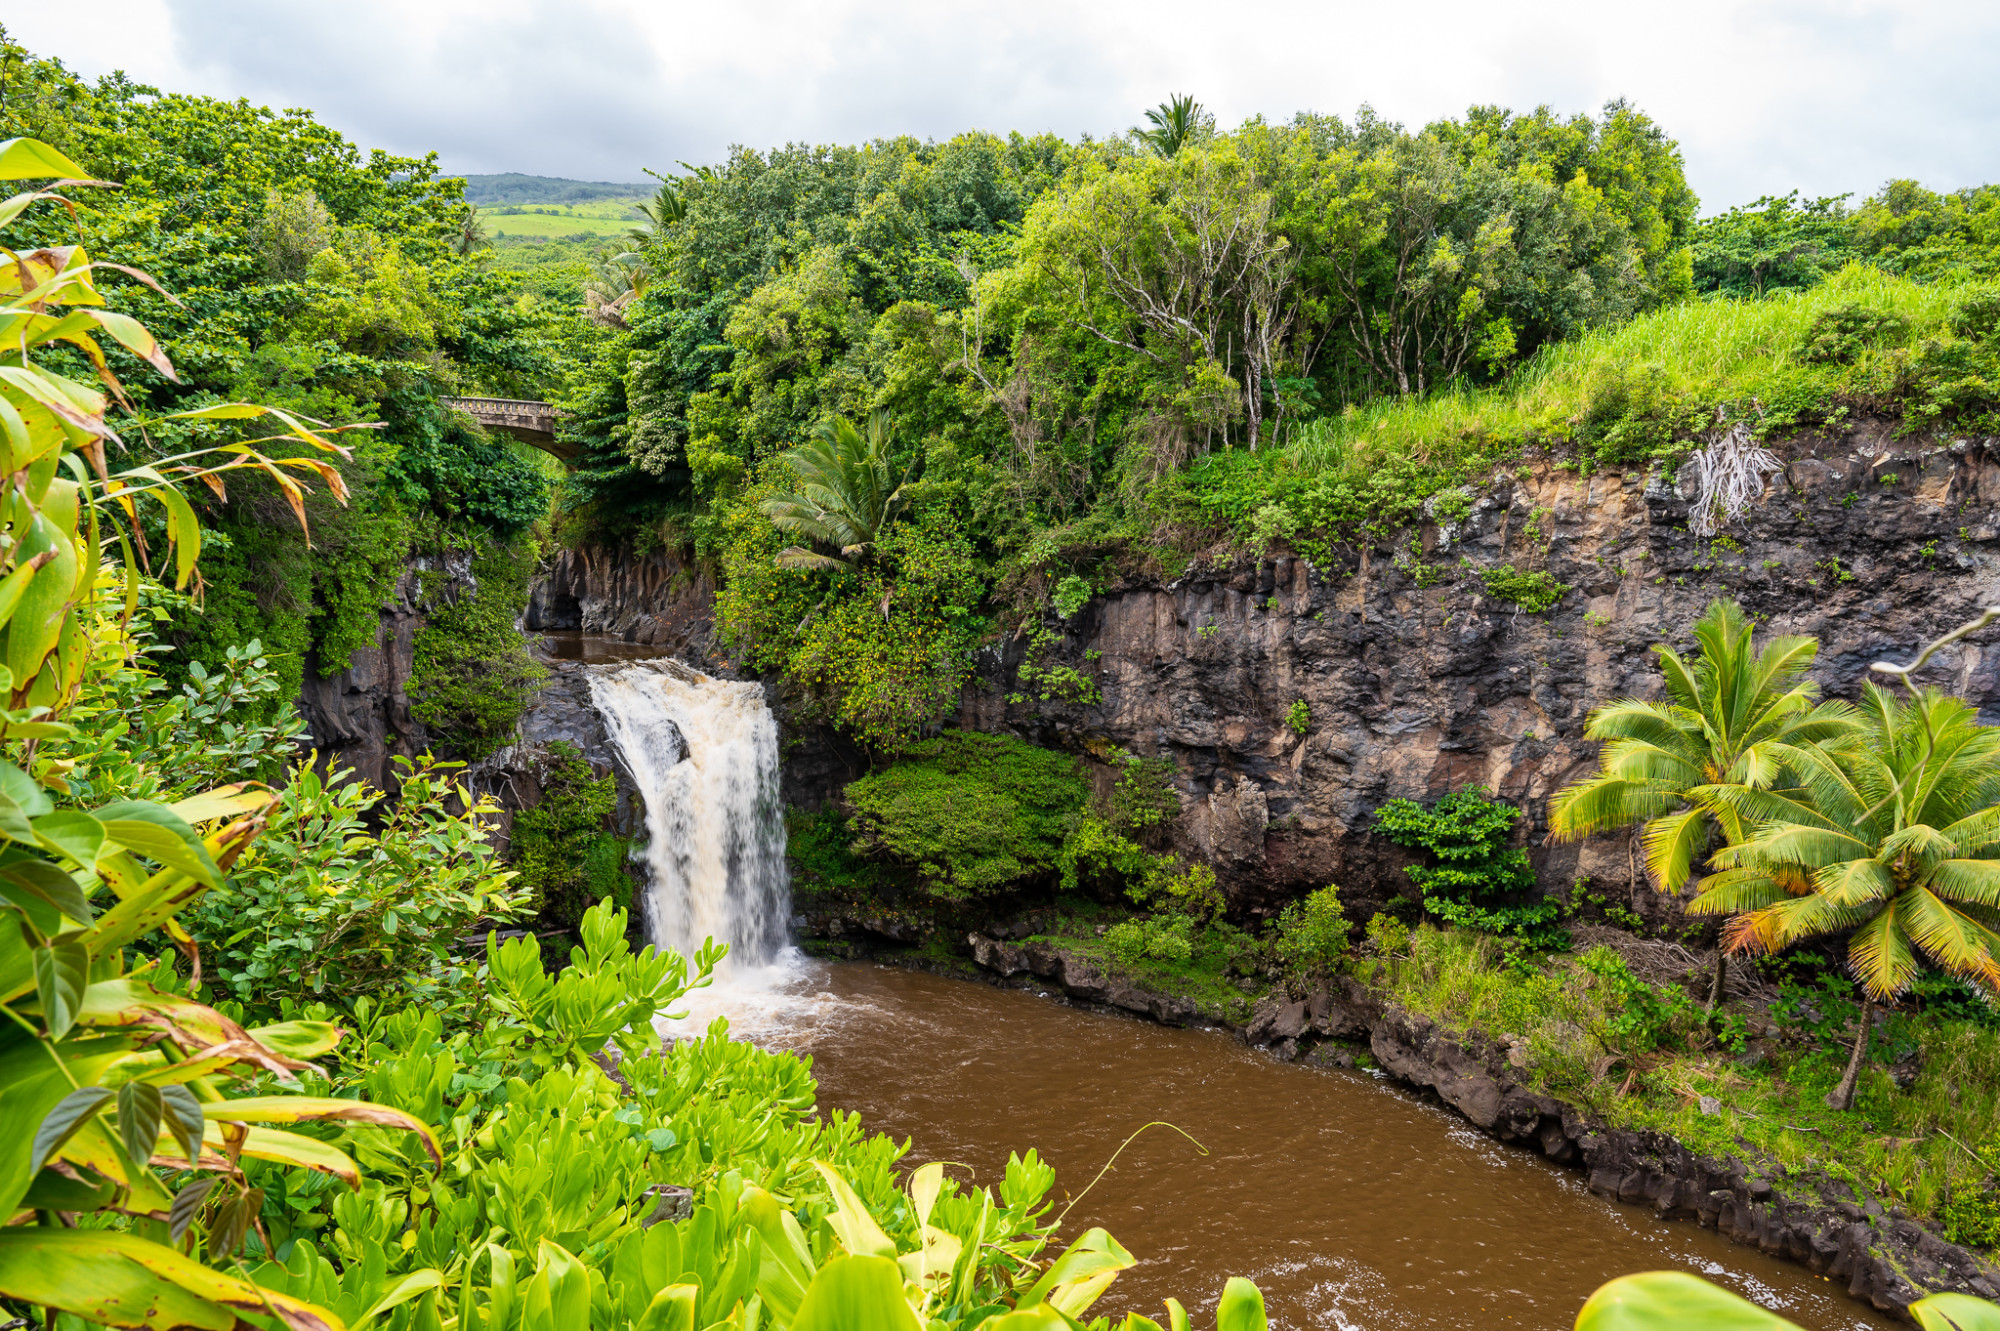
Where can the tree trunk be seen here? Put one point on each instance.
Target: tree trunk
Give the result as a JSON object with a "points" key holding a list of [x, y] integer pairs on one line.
{"points": [[1721, 978], [1842, 1096]]}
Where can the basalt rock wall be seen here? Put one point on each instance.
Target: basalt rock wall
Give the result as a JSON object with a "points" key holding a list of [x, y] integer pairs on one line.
{"points": [[360, 718], [657, 599], [1417, 680]]}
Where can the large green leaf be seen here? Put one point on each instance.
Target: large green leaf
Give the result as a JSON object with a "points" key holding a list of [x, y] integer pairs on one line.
{"points": [[43, 893], [31, 159], [312, 1109], [1955, 1312], [852, 1292], [62, 975], [160, 834], [121, 1280], [1673, 1301]]}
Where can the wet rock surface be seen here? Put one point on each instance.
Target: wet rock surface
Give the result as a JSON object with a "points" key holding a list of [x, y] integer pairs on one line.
{"points": [[657, 599]]}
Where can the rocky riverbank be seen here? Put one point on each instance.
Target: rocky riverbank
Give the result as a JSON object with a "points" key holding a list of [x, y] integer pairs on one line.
{"points": [[1882, 1256]]}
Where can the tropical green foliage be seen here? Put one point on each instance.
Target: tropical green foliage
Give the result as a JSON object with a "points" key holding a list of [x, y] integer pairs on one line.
{"points": [[562, 846], [352, 893], [319, 279], [846, 497], [1475, 879], [1312, 935], [1733, 718], [969, 814]]}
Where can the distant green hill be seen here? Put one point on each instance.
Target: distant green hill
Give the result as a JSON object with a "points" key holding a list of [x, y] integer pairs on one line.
{"points": [[512, 187]]}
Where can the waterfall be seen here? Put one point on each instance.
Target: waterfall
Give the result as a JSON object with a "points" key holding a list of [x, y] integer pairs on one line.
{"points": [[704, 755]]}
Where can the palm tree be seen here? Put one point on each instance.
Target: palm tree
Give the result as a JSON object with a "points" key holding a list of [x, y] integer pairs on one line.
{"points": [[1893, 841], [614, 284], [665, 208], [1174, 122], [1732, 718], [471, 233], [846, 497]]}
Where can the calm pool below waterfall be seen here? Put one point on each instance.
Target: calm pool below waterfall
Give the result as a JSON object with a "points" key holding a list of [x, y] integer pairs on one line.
{"points": [[1349, 1201]]}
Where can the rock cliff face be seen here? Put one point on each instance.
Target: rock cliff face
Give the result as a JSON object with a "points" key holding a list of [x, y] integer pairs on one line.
{"points": [[1417, 681], [656, 599], [360, 717]]}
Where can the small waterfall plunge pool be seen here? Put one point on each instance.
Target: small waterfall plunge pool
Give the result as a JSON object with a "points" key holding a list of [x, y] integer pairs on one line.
{"points": [[1352, 1203]]}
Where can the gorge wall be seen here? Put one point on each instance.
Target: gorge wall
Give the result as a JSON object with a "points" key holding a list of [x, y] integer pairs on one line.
{"points": [[1871, 544]]}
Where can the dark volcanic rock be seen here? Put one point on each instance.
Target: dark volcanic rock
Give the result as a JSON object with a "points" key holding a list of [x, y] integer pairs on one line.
{"points": [[658, 599], [1414, 690], [360, 717]]}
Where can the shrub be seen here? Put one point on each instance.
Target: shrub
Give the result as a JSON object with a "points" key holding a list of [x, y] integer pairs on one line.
{"points": [[1070, 595], [1312, 935], [969, 814], [1143, 799], [1387, 935], [471, 675], [564, 853], [1299, 717], [1533, 592], [1168, 938], [1476, 880], [1839, 335], [321, 907]]}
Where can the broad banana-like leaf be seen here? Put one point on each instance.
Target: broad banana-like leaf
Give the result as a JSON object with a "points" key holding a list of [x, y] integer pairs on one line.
{"points": [[287, 1148], [851, 1292], [118, 1279], [298, 1039], [320, 1109], [852, 1225], [230, 801], [1955, 1312], [194, 1026], [1672, 1301]]}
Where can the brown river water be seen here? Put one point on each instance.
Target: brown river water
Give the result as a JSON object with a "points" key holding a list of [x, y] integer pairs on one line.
{"points": [[1351, 1202]]}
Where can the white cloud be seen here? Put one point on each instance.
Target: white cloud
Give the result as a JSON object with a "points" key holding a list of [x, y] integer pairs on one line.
{"points": [[1764, 95]]}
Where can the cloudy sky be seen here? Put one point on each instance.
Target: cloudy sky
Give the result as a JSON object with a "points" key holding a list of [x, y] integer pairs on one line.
{"points": [[1764, 95]]}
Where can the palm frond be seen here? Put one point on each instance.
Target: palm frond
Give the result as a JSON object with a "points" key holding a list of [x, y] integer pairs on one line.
{"points": [[1671, 845]]}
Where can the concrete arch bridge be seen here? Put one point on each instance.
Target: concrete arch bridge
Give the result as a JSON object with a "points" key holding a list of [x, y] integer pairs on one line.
{"points": [[530, 422]]}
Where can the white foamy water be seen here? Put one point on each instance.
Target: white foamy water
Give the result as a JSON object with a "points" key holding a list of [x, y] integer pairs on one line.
{"points": [[703, 753]]}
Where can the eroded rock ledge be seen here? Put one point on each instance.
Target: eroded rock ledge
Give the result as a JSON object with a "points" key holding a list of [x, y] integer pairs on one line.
{"points": [[1885, 1259]]}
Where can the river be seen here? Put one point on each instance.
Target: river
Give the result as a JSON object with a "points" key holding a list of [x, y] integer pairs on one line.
{"points": [[1348, 1200]]}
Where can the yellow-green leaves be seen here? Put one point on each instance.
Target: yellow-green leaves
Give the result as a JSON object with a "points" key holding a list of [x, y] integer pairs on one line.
{"points": [[857, 1291], [852, 1225], [1673, 1301], [31, 159], [1955, 1312], [120, 1280]]}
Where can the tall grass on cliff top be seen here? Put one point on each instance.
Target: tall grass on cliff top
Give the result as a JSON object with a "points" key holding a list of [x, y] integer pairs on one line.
{"points": [[1705, 353]]}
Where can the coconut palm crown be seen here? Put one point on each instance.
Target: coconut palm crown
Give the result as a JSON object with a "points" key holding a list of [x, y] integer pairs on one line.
{"points": [[847, 494], [1733, 717], [1894, 841]]}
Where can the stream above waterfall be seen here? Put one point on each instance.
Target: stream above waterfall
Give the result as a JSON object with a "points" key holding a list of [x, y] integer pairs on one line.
{"points": [[1350, 1201]]}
